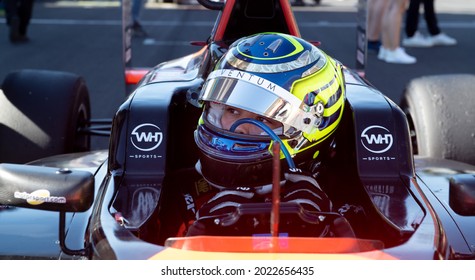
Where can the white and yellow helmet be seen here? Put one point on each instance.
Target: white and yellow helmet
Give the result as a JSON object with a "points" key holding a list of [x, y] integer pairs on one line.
{"points": [[280, 77]]}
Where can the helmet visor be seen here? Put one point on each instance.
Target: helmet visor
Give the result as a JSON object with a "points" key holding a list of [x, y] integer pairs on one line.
{"points": [[260, 96]]}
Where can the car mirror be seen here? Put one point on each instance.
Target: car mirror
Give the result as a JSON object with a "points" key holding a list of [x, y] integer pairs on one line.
{"points": [[46, 188]]}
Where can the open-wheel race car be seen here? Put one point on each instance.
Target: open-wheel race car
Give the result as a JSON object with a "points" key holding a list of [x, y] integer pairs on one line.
{"points": [[410, 175]]}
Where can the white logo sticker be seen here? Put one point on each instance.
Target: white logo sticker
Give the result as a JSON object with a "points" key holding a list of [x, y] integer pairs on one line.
{"points": [[39, 197], [377, 139], [146, 137]]}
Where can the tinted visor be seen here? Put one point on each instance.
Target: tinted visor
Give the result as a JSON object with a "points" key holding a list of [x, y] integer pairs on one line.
{"points": [[260, 96]]}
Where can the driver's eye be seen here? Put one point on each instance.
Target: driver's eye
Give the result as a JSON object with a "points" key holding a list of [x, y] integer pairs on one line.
{"points": [[264, 120], [232, 111]]}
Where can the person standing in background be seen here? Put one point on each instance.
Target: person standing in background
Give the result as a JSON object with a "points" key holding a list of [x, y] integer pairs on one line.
{"points": [[390, 50], [18, 14], [414, 38], [137, 28], [376, 10]]}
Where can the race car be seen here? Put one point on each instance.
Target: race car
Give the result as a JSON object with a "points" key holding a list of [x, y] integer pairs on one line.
{"points": [[68, 202]]}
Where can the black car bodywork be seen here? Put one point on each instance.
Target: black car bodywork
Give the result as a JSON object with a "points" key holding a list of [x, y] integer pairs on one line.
{"points": [[108, 201]]}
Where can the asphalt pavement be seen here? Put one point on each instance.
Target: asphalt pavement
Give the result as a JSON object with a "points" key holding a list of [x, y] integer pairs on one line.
{"points": [[84, 37]]}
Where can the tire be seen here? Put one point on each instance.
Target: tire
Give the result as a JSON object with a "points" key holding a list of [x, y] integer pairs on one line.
{"points": [[441, 116], [42, 114]]}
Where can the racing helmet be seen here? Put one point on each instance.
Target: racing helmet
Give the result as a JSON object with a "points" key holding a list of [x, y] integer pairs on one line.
{"points": [[280, 78]]}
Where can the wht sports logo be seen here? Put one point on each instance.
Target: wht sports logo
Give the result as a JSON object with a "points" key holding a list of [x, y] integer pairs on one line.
{"points": [[146, 137], [377, 139]]}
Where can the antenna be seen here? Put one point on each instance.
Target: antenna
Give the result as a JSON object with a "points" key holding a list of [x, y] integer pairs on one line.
{"points": [[274, 217]]}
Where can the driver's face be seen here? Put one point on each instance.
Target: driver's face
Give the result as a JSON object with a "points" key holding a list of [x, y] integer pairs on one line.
{"points": [[231, 115]]}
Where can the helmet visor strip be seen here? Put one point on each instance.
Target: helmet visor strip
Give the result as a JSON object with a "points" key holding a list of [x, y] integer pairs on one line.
{"points": [[260, 96]]}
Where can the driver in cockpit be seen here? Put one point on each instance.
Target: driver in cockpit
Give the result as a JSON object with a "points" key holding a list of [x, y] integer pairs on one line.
{"points": [[268, 88]]}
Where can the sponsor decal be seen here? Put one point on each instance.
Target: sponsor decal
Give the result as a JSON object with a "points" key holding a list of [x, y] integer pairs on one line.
{"points": [[247, 77], [39, 197], [190, 203], [381, 201], [145, 156], [381, 188], [144, 201], [377, 139], [260, 82], [202, 186], [380, 195], [380, 158], [146, 137]]}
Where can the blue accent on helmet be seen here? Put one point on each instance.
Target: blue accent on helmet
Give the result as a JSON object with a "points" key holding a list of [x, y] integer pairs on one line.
{"points": [[270, 132]]}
